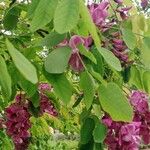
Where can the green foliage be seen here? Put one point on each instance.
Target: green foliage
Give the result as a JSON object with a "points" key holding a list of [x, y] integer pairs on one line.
{"points": [[129, 38], [66, 15], [62, 86], [53, 39], [57, 60], [88, 86], [99, 133], [31, 52], [11, 18], [86, 131], [5, 79], [22, 64], [110, 59], [112, 98], [43, 13]]}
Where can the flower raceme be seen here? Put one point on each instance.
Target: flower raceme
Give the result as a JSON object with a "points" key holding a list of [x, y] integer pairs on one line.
{"points": [[18, 124], [46, 105]]}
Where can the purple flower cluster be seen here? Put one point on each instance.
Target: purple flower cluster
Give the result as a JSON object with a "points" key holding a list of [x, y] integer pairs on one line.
{"points": [[144, 3], [119, 48], [124, 12], [128, 136], [99, 12], [139, 100], [18, 124], [46, 105], [75, 59]]}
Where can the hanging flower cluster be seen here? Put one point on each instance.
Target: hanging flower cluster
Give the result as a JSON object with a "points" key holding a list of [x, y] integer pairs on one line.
{"points": [[46, 105], [126, 136], [18, 123]]}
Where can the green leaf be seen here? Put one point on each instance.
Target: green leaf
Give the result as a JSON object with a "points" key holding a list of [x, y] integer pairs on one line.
{"points": [[99, 133], [87, 54], [129, 38], [53, 39], [110, 58], [57, 60], [88, 22], [86, 130], [99, 67], [35, 99], [146, 81], [27, 86], [5, 79], [66, 16], [136, 77], [43, 14], [112, 98], [11, 18], [32, 8], [22, 64], [145, 52], [88, 86], [62, 86]]}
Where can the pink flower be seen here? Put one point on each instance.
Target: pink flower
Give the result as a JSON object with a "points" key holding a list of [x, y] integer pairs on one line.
{"points": [[139, 100], [130, 133], [119, 1], [75, 59], [18, 124], [99, 12], [144, 3], [44, 87], [120, 50], [46, 106], [124, 12]]}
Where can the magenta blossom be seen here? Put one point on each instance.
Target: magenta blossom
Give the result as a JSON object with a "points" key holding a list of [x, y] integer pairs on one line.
{"points": [[139, 100], [119, 1], [46, 106], [130, 133], [75, 59], [99, 12], [144, 3], [120, 50], [124, 12], [18, 124], [45, 87]]}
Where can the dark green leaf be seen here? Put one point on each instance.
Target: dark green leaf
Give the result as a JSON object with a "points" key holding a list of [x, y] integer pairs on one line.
{"points": [[87, 54], [11, 18], [86, 130], [27, 86], [57, 60], [110, 58], [5, 79], [53, 39], [43, 14], [22, 64], [35, 99], [112, 98], [99, 133], [88, 86], [66, 15], [32, 8], [62, 86], [146, 81]]}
